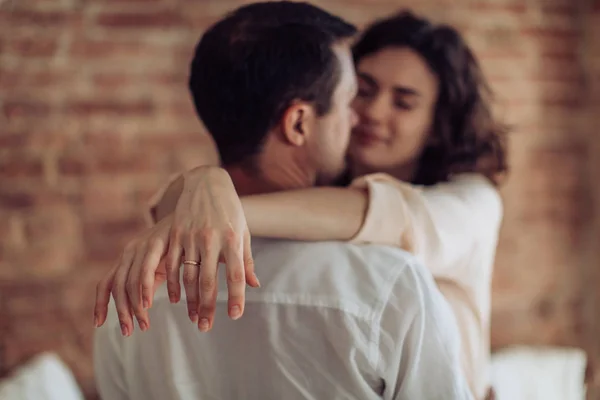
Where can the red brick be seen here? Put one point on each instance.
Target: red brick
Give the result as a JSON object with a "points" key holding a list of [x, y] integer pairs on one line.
{"points": [[20, 350], [32, 298], [68, 165], [562, 8], [28, 195], [556, 48], [571, 157], [112, 80], [156, 20], [104, 198], [40, 19], [110, 107], [26, 108], [98, 49], [551, 33], [564, 210], [104, 240], [568, 100], [11, 140], [175, 78], [46, 78], [45, 256], [18, 166], [184, 109], [160, 141], [132, 2], [118, 226], [91, 162], [564, 69], [104, 140], [16, 200], [516, 6], [19, 78], [116, 83], [34, 47], [491, 53]]}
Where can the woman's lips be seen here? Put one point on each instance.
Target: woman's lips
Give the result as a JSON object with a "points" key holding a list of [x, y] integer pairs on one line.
{"points": [[367, 138]]}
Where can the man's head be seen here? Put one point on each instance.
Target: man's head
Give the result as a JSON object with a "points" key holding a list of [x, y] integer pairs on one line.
{"points": [[273, 83]]}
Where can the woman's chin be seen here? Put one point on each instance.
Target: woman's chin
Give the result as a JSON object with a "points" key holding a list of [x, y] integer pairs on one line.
{"points": [[366, 158]]}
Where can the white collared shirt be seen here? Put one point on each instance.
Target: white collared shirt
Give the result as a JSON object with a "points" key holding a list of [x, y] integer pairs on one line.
{"points": [[452, 228], [331, 321]]}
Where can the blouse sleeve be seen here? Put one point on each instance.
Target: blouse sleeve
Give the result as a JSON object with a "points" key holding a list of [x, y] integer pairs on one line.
{"points": [[439, 224]]}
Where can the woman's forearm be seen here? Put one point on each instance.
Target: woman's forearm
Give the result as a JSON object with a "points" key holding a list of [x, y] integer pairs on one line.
{"points": [[314, 214], [196, 180], [168, 201]]}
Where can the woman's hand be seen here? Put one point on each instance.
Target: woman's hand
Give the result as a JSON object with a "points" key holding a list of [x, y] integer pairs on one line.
{"points": [[142, 257], [208, 226]]}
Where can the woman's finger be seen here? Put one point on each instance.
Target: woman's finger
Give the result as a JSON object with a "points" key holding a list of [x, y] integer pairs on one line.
{"points": [[133, 286], [156, 249], [172, 264], [119, 293], [103, 298], [210, 249], [191, 264], [251, 278], [236, 276]]}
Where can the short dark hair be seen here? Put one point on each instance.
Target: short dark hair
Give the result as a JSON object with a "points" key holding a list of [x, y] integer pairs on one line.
{"points": [[469, 139], [250, 66]]}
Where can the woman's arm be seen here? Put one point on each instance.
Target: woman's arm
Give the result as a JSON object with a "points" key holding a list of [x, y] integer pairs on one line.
{"points": [[323, 213], [439, 224], [165, 201], [314, 214]]}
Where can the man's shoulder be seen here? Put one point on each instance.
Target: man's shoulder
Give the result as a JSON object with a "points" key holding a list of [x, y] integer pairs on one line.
{"points": [[360, 273], [333, 248], [383, 259]]}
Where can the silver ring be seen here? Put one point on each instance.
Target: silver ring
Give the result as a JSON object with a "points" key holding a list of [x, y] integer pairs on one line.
{"points": [[191, 262]]}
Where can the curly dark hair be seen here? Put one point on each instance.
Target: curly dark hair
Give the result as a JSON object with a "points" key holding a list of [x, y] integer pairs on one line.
{"points": [[467, 137]]}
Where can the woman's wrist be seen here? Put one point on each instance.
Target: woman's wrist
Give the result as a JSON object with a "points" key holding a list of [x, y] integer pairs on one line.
{"points": [[252, 213]]}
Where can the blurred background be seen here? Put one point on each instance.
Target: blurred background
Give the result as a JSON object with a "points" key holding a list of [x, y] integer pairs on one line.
{"points": [[95, 115]]}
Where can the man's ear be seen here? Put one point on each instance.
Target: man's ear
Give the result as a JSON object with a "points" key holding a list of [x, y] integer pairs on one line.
{"points": [[298, 123]]}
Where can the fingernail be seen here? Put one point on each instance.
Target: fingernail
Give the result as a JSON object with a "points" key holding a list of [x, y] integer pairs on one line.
{"points": [[194, 317], [146, 304], [96, 321], [235, 312], [124, 330], [203, 326], [172, 297], [143, 326], [257, 281]]}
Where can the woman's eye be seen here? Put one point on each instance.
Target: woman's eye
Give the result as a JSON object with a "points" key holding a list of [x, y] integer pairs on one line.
{"points": [[402, 105], [363, 93]]}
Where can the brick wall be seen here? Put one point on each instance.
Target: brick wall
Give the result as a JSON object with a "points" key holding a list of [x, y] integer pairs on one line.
{"points": [[591, 62], [95, 114]]}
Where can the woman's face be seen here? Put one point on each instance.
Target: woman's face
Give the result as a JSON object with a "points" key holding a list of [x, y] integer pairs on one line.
{"points": [[397, 93]]}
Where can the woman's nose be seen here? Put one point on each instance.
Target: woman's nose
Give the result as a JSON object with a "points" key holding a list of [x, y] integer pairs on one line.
{"points": [[376, 110]]}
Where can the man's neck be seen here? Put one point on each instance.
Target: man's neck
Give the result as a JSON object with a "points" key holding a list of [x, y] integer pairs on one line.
{"points": [[278, 167], [267, 177], [404, 173]]}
